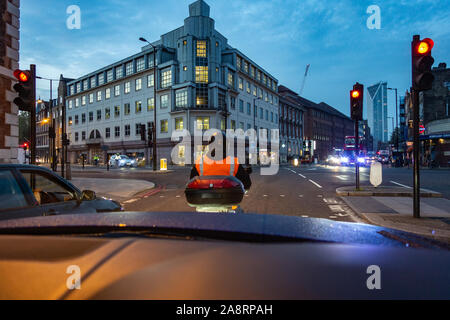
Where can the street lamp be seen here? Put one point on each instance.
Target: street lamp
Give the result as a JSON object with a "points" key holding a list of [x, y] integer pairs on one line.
{"points": [[155, 72], [396, 115]]}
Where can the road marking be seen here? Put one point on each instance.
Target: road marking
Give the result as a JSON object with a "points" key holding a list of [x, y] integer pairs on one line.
{"points": [[318, 185], [178, 196], [333, 217], [342, 178], [282, 195], [304, 216], [131, 201], [402, 185], [265, 195], [331, 201], [300, 195], [302, 176], [336, 208]]}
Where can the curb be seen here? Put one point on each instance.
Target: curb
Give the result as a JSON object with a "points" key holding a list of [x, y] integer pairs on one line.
{"points": [[353, 193], [375, 219]]}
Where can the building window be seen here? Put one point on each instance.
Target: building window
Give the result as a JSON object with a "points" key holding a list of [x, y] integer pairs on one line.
{"points": [[117, 132], [261, 113], [249, 108], [238, 63], [252, 71], [164, 101], [150, 80], [245, 66], [91, 116], [85, 84], [117, 90], [83, 100], [179, 124], [233, 124], [108, 93], [241, 106], [181, 98], [107, 132], [76, 136], [138, 129], [99, 96], [140, 64], [201, 49], [271, 116], [101, 79], [201, 74], [150, 104], [164, 126], [138, 106], [109, 75], [70, 104], [241, 125], [267, 115], [83, 118], [70, 121], [166, 78], [202, 123], [93, 82], [78, 87], [129, 68], [127, 109], [230, 80], [119, 72], [77, 102], [99, 115], [254, 90], [138, 84], [127, 87], [248, 87], [107, 113], [76, 119], [241, 84], [127, 130], [117, 111], [83, 135]]}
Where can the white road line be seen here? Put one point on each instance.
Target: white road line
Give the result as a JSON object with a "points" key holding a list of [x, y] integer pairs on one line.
{"points": [[318, 185], [341, 178], [131, 201], [302, 176], [402, 185]]}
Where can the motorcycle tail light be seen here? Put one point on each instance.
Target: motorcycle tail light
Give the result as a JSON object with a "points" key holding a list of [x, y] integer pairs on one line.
{"points": [[212, 184]]}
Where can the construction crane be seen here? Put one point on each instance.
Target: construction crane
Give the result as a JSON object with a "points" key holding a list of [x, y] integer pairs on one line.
{"points": [[304, 79]]}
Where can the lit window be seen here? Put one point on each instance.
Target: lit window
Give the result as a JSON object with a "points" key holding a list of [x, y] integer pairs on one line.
{"points": [[92, 82], [117, 90], [91, 98], [127, 87], [238, 63], [119, 72], [150, 104], [246, 66], [248, 87], [77, 102], [83, 100], [108, 93], [109, 75], [230, 80], [201, 49], [116, 111], [164, 126], [201, 74], [127, 109], [99, 96], [138, 106], [202, 123], [107, 113], [241, 84], [179, 125]]}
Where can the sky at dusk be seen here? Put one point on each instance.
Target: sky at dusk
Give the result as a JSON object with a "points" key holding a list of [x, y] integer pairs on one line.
{"points": [[282, 36]]}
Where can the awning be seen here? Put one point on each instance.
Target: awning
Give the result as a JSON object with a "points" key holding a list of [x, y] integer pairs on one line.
{"points": [[445, 135]]}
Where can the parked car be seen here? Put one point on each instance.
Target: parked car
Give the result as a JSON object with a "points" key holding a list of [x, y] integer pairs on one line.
{"points": [[122, 161], [28, 191]]}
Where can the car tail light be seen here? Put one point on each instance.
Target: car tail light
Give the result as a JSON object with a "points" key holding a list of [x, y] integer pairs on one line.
{"points": [[212, 184]]}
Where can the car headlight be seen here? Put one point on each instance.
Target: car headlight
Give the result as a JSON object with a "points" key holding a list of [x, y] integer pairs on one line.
{"points": [[344, 159], [362, 160]]}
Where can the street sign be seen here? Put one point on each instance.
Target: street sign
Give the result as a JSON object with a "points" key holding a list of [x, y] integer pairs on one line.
{"points": [[421, 129]]}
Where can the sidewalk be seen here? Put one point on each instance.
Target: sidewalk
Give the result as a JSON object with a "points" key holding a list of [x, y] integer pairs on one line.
{"points": [[397, 213], [116, 189]]}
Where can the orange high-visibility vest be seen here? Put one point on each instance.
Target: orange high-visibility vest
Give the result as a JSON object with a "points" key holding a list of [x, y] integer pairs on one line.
{"points": [[208, 167]]}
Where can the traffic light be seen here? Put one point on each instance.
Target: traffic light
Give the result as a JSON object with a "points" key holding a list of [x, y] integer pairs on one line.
{"points": [[422, 78], [25, 146], [26, 89], [142, 132], [356, 101]]}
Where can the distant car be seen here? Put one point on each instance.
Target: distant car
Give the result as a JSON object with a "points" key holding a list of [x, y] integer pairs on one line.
{"points": [[29, 191], [122, 161]]}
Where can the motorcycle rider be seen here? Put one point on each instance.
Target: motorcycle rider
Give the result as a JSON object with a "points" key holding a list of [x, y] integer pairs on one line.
{"points": [[226, 166]]}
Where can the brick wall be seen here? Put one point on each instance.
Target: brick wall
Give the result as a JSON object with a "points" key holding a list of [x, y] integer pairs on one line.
{"points": [[9, 61]]}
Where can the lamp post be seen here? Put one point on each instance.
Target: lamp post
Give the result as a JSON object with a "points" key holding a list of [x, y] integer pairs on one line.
{"points": [[155, 77], [396, 115]]}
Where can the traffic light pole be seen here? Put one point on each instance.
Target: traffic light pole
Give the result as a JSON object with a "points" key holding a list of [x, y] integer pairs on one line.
{"points": [[357, 153], [33, 115], [416, 154]]}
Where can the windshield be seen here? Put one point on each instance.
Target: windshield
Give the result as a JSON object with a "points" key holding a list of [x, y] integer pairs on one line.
{"points": [[234, 107]]}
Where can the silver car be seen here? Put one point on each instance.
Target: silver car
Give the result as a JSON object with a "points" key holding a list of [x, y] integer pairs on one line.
{"points": [[122, 161]]}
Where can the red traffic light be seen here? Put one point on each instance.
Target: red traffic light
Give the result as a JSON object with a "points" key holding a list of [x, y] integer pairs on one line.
{"points": [[425, 46], [355, 94], [22, 76]]}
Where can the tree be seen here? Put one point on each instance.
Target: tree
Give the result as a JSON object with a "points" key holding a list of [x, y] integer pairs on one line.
{"points": [[24, 127]]}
